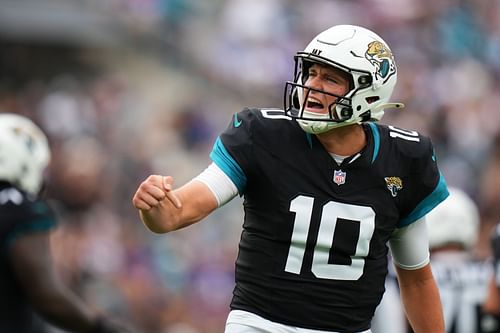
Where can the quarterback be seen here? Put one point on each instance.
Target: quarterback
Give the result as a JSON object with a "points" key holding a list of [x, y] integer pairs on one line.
{"points": [[327, 191]]}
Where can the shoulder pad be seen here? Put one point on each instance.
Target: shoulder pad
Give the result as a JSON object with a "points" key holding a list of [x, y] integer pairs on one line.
{"points": [[17, 203]]}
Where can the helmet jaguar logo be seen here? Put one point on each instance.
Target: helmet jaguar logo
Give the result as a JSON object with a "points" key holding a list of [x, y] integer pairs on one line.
{"points": [[394, 184], [381, 57], [30, 141]]}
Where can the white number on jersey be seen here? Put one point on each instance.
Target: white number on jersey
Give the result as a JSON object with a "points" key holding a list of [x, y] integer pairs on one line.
{"points": [[362, 217], [274, 114], [403, 134]]}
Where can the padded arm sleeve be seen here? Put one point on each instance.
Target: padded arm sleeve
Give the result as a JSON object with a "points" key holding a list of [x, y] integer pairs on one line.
{"points": [[410, 245], [219, 183]]}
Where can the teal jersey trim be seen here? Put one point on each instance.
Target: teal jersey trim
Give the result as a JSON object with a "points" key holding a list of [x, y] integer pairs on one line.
{"points": [[221, 157], [439, 194], [309, 139], [376, 140], [35, 226]]}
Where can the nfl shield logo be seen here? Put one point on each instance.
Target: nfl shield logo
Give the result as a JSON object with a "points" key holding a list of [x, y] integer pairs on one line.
{"points": [[339, 177]]}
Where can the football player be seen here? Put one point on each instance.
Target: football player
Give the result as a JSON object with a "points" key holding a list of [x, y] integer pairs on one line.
{"points": [[325, 190], [29, 282], [462, 279], [490, 311]]}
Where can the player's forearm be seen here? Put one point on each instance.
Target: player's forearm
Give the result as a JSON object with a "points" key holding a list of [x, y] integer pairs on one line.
{"points": [[69, 314], [422, 303], [61, 307], [423, 308], [197, 202], [35, 272]]}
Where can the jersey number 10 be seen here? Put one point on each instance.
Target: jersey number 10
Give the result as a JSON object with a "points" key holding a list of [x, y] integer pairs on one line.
{"points": [[362, 217]]}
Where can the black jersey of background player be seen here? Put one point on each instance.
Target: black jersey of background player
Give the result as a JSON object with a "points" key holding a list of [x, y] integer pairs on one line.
{"points": [[19, 214], [313, 249]]}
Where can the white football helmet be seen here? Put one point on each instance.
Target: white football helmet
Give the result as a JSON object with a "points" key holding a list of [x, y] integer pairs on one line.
{"points": [[368, 61], [454, 221], [24, 152]]}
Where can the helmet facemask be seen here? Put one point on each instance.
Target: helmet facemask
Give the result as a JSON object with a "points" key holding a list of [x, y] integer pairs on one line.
{"points": [[338, 111], [297, 93]]}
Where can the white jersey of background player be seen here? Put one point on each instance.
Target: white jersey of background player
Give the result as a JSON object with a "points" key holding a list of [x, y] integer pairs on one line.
{"points": [[462, 280]]}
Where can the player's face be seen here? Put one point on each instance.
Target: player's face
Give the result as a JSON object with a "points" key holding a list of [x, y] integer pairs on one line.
{"points": [[328, 79]]}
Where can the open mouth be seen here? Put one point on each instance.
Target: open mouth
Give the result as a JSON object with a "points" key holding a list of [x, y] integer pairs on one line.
{"points": [[313, 104]]}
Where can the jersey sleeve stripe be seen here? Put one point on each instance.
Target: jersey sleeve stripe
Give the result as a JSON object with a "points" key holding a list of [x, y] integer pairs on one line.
{"points": [[439, 194], [221, 157], [376, 141], [36, 226]]}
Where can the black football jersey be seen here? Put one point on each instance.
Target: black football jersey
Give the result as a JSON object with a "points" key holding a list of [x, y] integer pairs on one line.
{"points": [[19, 215], [313, 250]]}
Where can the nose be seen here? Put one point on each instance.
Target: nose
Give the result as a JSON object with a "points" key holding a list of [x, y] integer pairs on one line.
{"points": [[315, 82], [315, 85]]}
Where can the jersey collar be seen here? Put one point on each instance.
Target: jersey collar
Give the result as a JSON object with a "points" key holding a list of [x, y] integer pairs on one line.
{"points": [[368, 155]]}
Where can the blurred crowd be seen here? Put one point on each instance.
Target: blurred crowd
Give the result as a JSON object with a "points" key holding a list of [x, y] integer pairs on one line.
{"points": [[156, 104]]}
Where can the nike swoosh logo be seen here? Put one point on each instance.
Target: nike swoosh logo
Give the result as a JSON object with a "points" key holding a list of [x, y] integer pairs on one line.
{"points": [[236, 121]]}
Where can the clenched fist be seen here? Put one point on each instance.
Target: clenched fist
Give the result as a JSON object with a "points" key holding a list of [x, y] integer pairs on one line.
{"points": [[154, 190]]}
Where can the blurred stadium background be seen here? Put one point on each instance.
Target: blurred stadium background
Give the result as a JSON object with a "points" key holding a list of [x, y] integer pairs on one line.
{"points": [[126, 88]]}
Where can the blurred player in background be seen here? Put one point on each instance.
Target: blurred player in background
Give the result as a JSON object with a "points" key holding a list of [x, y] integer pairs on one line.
{"points": [[453, 229], [490, 320], [30, 287], [462, 279], [325, 188]]}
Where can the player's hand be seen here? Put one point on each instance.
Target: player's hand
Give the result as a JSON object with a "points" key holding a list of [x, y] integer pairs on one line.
{"points": [[153, 191]]}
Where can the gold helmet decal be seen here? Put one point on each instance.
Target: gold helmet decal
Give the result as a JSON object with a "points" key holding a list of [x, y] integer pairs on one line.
{"points": [[381, 57]]}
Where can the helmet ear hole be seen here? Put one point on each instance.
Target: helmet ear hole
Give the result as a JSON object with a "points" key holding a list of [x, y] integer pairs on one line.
{"points": [[366, 116]]}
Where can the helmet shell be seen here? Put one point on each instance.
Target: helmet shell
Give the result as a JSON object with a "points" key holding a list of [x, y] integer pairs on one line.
{"points": [[24, 152], [365, 56]]}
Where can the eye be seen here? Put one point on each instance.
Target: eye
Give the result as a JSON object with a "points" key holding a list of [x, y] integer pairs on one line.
{"points": [[312, 73], [332, 79]]}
